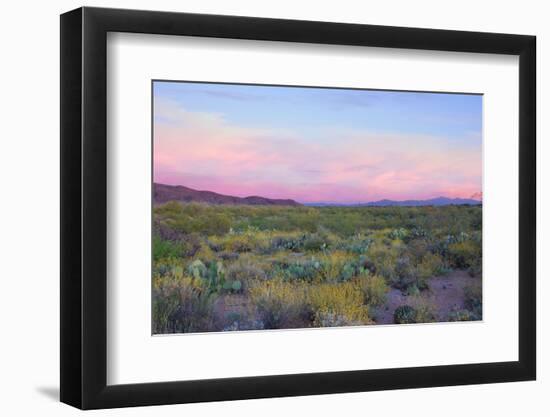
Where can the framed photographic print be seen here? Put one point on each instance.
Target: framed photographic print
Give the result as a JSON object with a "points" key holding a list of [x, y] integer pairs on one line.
{"points": [[258, 207]]}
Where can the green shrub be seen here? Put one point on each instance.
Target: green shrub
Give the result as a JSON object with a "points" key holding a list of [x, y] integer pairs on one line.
{"points": [[417, 249], [473, 301], [329, 319], [462, 315], [316, 242], [279, 304], [343, 300], [412, 290], [306, 270], [358, 244], [424, 310], [165, 301], [466, 254], [374, 289], [404, 314], [246, 273], [416, 233], [356, 267], [430, 266], [405, 273], [166, 249], [384, 260], [291, 243], [400, 233], [182, 306]]}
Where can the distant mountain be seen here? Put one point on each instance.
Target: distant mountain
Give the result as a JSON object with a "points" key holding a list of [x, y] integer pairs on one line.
{"points": [[477, 196], [438, 201], [163, 193]]}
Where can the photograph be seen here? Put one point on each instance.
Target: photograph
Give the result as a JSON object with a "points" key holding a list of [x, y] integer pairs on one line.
{"points": [[286, 207]]}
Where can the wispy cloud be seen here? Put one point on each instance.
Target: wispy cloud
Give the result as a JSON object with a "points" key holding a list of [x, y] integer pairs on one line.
{"points": [[205, 150], [231, 95]]}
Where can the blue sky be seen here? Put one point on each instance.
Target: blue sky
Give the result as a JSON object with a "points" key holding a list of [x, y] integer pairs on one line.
{"points": [[310, 109]]}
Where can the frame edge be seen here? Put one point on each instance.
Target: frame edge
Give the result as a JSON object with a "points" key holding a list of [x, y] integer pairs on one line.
{"points": [[83, 210], [70, 204]]}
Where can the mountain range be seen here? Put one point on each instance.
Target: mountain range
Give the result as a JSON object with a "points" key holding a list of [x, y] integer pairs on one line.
{"points": [[163, 193], [438, 201]]}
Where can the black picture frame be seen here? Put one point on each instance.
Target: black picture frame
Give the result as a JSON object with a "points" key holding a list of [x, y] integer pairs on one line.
{"points": [[84, 207]]}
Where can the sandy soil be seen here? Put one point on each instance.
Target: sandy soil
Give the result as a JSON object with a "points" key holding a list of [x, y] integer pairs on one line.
{"points": [[446, 294]]}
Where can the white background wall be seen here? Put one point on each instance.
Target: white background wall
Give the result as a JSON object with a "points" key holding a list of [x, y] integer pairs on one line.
{"points": [[29, 225]]}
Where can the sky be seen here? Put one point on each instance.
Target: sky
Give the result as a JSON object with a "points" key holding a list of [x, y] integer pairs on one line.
{"points": [[317, 145]]}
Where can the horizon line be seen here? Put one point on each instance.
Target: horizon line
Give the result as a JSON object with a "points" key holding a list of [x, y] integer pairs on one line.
{"points": [[331, 203]]}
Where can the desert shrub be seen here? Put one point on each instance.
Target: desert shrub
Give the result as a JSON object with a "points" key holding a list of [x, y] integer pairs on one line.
{"points": [[465, 254], [349, 270], [316, 242], [358, 244], [205, 253], [181, 306], [279, 304], [303, 271], [440, 246], [412, 289], [459, 237], [165, 249], [328, 319], [342, 300], [374, 289], [195, 311], [214, 244], [307, 270], [431, 265], [384, 260], [245, 272], [475, 269], [417, 249], [353, 268], [166, 266], [473, 300], [405, 273], [212, 224], [247, 240], [399, 233], [189, 218], [291, 243], [332, 265], [241, 243], [165, 301], [344, 222], [228, 256], [416, 233], [404, 314], [425, 311], [462, 315], [213, 276]]}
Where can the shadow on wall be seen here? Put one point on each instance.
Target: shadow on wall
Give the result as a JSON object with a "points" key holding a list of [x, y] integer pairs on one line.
{"points": [[50, 392]]}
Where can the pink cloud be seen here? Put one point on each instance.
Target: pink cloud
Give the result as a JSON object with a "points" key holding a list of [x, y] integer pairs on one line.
{"points": [[205, 151]]}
